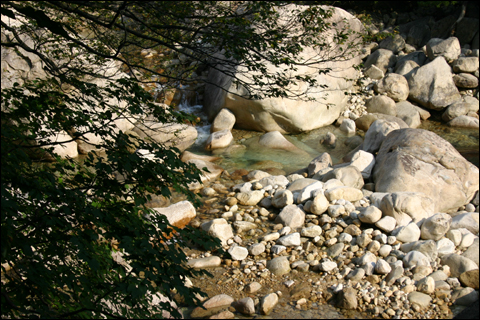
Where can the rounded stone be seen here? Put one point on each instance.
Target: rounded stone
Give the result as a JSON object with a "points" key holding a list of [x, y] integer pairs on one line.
{"points": [[279, 266]]}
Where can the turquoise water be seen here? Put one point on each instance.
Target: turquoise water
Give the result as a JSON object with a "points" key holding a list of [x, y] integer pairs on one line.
{"points": [[248, 154]]}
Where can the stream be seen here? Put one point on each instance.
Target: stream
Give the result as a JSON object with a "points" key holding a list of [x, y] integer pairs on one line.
{"points": [[250, 155]]}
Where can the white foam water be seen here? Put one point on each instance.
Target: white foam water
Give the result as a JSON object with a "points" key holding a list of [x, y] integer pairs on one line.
{"points": [[203, 128]]}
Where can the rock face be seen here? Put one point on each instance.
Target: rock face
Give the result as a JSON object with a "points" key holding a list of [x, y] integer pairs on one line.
{"points": [[432, 85], [289, 115], [417, 160]]}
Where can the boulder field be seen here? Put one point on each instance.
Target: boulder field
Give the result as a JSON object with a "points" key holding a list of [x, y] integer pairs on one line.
{"points": [[369, 247]]}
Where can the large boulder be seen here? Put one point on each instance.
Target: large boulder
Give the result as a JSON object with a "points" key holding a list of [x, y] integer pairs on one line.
{"points": [[178, 135], [292, 115], [275, 140], [407, 206], [432, 85], [418, 160]]}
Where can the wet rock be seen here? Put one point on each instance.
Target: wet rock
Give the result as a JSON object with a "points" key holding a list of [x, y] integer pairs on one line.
{"points": [[457, 109], [364, 122], [214, 170], [348, 126], [257, 175], [187, 155], [212, 305], [223, 315], [219, 139], [279, 180], [275, 140], [464, 122], [329, 139]]}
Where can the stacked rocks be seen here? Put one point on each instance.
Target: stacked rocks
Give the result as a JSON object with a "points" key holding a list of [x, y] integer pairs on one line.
{"points": [[406, 76]]}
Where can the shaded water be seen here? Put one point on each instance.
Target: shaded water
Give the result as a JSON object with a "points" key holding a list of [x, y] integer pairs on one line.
{"points": [[250, 155]]}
